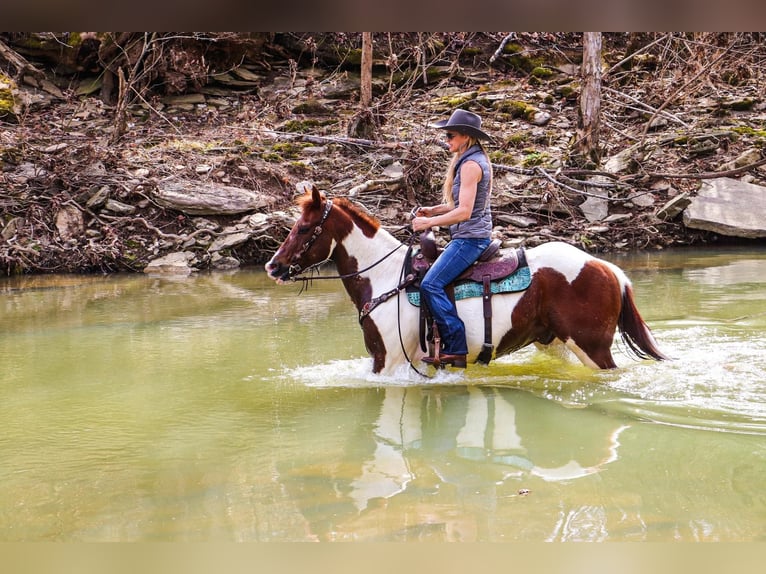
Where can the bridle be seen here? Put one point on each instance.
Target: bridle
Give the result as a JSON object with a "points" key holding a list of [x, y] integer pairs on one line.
{"points": [[295, 270]]}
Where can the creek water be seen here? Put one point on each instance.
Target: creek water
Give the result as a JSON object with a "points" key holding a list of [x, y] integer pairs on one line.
{"points": [[222, 407]]}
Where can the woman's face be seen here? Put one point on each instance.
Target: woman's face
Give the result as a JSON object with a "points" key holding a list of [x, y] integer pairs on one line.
{"points": [[456, 141]]}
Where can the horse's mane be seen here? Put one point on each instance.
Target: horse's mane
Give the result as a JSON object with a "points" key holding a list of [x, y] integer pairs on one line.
{"points": [[356, 211]]}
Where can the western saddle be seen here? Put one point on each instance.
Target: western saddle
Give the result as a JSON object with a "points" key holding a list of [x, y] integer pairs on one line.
{"points": [[492, 265]]}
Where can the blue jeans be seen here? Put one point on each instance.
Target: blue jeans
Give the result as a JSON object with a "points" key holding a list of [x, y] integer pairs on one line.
{"points": [[457, 256]]}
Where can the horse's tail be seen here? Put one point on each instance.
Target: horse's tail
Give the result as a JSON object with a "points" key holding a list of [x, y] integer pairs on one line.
{"points": [[634, 331]]}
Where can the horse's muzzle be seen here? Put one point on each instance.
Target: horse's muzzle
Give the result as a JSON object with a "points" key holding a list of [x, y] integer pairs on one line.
{"points": [[278, 272]]}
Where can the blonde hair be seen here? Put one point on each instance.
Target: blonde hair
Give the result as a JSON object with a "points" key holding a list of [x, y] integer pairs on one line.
{"points": [[449, 176]]}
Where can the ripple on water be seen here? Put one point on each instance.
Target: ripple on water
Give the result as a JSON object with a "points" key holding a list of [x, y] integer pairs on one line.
{"points": [[716, 381]]}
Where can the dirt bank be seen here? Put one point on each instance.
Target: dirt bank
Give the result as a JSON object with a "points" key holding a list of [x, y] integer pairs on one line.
{"points": [[75, 198]]}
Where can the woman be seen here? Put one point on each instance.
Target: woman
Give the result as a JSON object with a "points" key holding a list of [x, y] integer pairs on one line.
{"points": [[465, 209]]}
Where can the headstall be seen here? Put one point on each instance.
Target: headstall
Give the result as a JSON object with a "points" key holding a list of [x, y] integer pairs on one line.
{"points": [[295, 269]]}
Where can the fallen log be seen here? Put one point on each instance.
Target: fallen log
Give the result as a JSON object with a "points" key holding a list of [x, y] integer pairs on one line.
{"points": [[193, 198]]}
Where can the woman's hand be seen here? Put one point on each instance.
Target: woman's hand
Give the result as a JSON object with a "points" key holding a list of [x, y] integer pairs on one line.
{"points": [[421, 223], [425, 212]]}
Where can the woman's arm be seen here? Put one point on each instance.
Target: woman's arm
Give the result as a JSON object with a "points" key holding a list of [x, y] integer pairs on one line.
{"points": [[433, 210], [443, 215]]}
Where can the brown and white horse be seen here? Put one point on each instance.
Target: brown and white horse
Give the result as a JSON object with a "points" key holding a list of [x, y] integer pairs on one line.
{"points": [[574, 298]]}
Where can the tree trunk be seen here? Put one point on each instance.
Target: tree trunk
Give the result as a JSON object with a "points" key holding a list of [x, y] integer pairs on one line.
{"points": [[366, 86], [363, 124], [587, 145]]}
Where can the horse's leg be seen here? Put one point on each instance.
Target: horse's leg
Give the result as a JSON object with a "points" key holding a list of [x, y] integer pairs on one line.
{"points": [[594, 355], [587, 317], [584, 313], [594, 358]]}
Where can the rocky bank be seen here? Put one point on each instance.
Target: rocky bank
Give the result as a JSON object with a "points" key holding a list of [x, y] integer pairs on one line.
{"points": [[206, 178]]}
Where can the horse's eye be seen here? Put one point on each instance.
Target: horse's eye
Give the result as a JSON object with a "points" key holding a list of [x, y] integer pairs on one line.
{"points": [[303, 230]]}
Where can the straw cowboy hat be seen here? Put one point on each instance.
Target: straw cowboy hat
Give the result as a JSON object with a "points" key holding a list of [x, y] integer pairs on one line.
{"points": [[464, 122]]}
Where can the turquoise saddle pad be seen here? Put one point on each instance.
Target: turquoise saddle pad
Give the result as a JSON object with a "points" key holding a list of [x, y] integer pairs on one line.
{"points": [[516, 281]]}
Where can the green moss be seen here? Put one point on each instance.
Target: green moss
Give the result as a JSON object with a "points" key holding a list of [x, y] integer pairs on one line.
{"points": [[502, 158], [284, 151], [437, 72], [74, 39], [458, 101], [7, 101], [299, 167], [311, 107], [586, 242], [485, 103], [518, 139], [748, 131], [399, 78], [307, 125], [535, 158], [192, 145], [289, 150], [511, 48], [521, 62], [541, 72], [516, 109], [731, 78], [568, 91], [354, 57], [742, 105], [472, 51]]}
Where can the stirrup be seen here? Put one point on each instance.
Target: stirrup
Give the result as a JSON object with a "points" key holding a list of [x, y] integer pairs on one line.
{"points": [[457, 361]]}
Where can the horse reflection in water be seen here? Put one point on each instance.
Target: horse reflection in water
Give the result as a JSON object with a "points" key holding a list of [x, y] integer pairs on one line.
{"points": [[441, 461], [574, 299]]}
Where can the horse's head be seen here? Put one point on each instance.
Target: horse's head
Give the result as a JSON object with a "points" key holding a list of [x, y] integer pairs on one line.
{"points": [[307, 243]]}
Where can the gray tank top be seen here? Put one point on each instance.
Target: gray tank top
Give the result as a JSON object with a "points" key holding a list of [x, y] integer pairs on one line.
{"points": [[479, 226]]}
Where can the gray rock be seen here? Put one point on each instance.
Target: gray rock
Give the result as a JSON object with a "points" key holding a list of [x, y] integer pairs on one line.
{"points": [[194, 198], [729, 207], [118, 207], [10, 228], [99, 198], [69, 223], [642, 199], [395, 170], [617, 217], [673, 207], [97, 168], [516, 220], [541, 118], [595, 208], [229, 239], [171, 264], [746, 158], [25, 172], [224, 263]]}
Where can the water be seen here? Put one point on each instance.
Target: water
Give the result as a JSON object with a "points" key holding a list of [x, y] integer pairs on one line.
{"points": [[224, 407]]}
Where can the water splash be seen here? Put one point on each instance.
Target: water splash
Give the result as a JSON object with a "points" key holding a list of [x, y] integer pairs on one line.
{"points": [[715, 382], [357, 373]]}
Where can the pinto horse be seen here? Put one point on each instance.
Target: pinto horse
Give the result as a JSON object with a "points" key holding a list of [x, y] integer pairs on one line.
{"points": [[573, 298]]}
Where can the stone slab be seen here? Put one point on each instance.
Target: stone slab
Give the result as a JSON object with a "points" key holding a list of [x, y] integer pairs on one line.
{"points": [[728, 207]]}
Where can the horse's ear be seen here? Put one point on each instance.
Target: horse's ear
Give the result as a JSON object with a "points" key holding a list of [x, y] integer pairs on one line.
{"points": [[316, 196]]}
